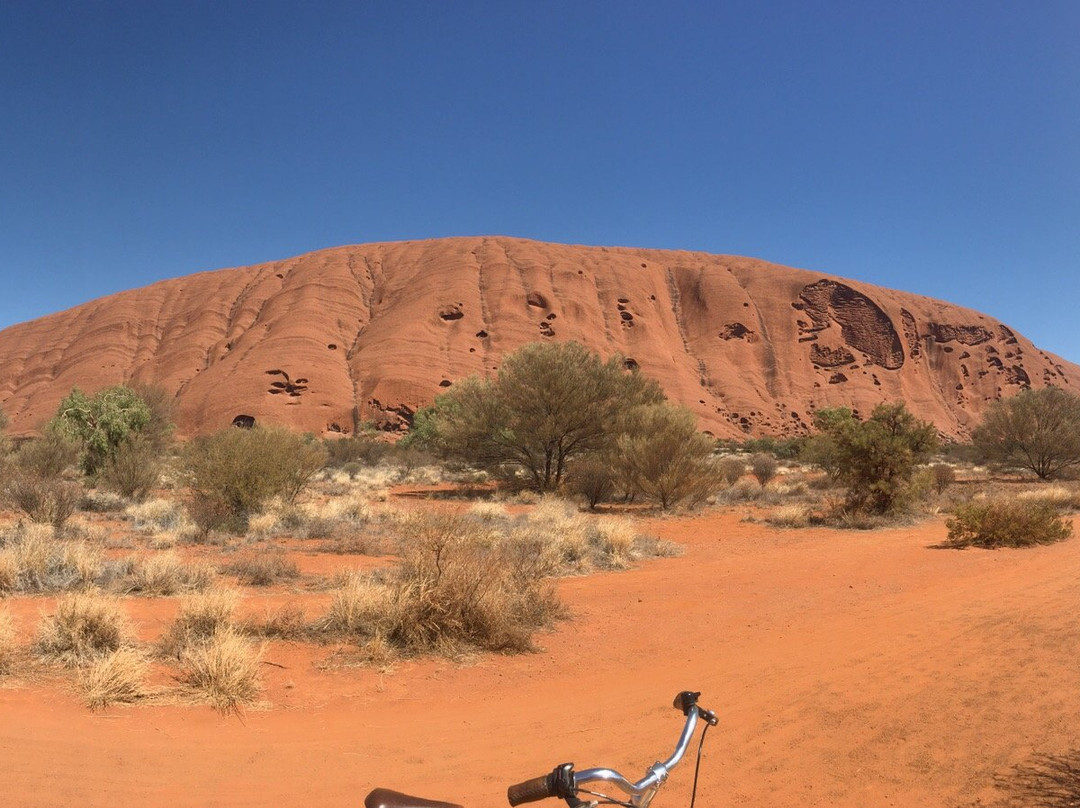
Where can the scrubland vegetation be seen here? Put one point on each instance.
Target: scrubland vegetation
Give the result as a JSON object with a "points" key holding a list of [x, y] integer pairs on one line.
{"points": [[549, 467]]}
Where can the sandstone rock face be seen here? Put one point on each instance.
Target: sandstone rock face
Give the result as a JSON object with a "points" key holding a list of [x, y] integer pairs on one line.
{"points": [[372, 332]]}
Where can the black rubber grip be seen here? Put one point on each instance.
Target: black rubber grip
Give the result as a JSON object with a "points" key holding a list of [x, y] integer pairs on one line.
{"points": [[539, 788]]}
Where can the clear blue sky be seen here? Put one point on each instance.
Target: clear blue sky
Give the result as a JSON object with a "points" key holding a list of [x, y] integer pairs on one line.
{"points": [[927, 146]]}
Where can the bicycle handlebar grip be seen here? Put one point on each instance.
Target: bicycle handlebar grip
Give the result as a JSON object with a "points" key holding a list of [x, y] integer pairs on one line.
{"points": [[539, 788]]}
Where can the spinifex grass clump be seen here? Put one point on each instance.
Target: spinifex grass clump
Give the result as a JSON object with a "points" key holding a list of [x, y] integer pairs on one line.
{"points": [[115, 677], [1008, 522], [199, 618], [84, 627], [224, 669], [7, 642], [34, 559], [460, 585]]}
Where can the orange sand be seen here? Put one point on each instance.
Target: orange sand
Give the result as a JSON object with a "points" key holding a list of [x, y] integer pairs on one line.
{"points": [[848, 669]]}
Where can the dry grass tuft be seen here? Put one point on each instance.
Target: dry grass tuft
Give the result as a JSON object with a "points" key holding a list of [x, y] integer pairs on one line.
{"points": [[288, 622], [34, 559], [224, 670], [7, 642], [116, 677], [789, 516], [166, 574], [84, 626], [200, 617], [264, 569]]}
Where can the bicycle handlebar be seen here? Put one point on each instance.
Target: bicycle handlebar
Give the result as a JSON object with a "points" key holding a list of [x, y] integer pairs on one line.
{"points": [[564, 782]]}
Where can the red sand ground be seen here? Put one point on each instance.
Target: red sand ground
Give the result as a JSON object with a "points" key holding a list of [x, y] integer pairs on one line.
{"points": [[848, 669]]}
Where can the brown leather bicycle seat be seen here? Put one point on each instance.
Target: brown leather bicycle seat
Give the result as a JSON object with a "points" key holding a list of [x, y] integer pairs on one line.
{"points": [[385, 798]]}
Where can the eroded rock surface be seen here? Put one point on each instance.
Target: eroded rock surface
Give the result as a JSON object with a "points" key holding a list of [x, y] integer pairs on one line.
{"points": [[373, 332]]}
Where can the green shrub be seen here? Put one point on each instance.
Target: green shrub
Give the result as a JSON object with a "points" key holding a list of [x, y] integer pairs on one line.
{"points": [[47, 457], [234, 472], [133, 470], [664, 457], [1006, 523]]}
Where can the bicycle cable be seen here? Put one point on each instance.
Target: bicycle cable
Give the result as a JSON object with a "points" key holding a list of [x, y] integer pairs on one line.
{"points": [[697, 766]]}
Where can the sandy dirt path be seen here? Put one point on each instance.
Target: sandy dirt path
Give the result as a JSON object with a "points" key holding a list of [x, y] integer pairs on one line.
{"points": [[848, 669]]}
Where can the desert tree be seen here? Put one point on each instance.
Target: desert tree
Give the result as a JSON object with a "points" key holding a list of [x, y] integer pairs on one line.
{"points": [[876, 459], [548, 404], [1036, 429], [101, 423]]}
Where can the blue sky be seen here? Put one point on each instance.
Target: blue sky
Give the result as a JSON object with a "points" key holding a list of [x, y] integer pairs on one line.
{"points": [[927, 146]]}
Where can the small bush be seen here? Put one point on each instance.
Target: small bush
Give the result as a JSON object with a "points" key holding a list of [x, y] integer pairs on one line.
{"points": [[224, 670], [731, 469], [83, 627], [1059, 496], [133, 470], [942, 477], [46, 501], [1006, 523], [115, 677], [263, 569], [592, 479], [47, 457], [763, 466], [237, 470]]}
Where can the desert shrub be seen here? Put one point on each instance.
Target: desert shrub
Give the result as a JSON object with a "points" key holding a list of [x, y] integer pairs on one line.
{"points": [[133, 469], [1006, 522], [83, 627], [876, 459], [942, 476], [115, 677], [34, 559], [664, 457], [1035, 429], [731, 469], [200, 616], [361, 449], [551, 403], [593, 479], [7, 642], [44, 500], [742, 491], [224, 670], [262, 569], [763, 466], [47, 457], [166, 574], [234, 472]]}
